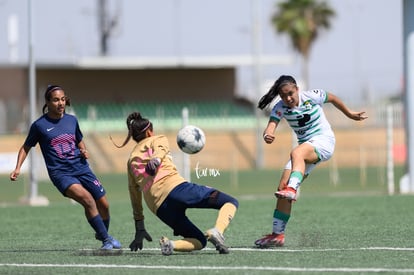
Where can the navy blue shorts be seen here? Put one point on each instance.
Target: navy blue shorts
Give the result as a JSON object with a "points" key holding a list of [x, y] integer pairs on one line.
{"points": [[88, 180], [190, 195]]}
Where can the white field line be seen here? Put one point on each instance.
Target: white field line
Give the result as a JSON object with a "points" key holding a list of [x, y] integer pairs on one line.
{"points": [[282, 250], [241, 268]]}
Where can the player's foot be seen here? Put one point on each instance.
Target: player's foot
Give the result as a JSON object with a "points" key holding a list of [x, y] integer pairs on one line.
{"points": [[107, 244], [167, 246], [115, 243], [287, 193], [271, 240], [217, 239]]}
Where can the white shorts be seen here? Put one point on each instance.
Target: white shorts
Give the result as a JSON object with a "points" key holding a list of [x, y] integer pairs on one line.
{"points": [[324, 148]]}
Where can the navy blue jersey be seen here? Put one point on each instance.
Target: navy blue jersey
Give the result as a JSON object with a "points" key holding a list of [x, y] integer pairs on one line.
{"points": [[58, 140]]}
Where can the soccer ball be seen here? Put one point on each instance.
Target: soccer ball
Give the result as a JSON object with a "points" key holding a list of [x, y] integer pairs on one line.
{"points": [[191, 139]]}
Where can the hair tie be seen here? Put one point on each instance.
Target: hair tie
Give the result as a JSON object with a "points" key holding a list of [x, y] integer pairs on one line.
{"points": [[146, 127], [51, 88]]}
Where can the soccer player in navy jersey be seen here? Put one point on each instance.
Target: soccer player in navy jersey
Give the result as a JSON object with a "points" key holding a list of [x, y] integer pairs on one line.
{"points": [[65, 155], [316, 142]]}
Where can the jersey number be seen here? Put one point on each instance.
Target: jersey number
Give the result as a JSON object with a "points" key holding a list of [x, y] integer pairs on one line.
{"points": [[64, 146], [302, 119]]}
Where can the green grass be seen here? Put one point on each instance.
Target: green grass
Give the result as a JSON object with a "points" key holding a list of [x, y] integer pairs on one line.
{"points": [[343, 228], [242, 183]]}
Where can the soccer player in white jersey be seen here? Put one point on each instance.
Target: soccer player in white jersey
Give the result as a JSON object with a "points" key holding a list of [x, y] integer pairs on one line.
{"points": [[316, 142]]}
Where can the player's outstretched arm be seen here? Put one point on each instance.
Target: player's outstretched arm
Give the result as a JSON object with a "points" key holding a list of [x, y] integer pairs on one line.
{"points": [[340, 105], [24, 150]]}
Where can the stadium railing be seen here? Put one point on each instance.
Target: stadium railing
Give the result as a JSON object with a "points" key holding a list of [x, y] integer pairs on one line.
{"points": [[219, 115], [167, 115]]}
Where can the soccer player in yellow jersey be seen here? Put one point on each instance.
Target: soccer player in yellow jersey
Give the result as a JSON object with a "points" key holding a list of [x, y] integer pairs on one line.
{"points": [[153, 175], [304, 114]]}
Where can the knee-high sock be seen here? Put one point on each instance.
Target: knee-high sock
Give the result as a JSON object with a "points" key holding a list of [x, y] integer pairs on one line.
{"points": [[187, 244], [106, 223], [225, 215], [295, 180], [280, 221], [99, 227]]}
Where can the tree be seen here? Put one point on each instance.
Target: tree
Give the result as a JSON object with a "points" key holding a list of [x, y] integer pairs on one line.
{"points": [[302, 21]]}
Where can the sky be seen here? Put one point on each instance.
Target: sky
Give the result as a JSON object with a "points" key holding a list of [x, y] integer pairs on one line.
{"points": [[359, 58]]}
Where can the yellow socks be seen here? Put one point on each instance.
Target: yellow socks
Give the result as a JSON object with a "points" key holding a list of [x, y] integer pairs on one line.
{"points": [[187, 244], [225, 215]]}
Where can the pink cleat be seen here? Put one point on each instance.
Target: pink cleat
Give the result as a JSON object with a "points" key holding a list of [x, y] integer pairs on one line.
{"points": [[271, 240], [288, 193]]}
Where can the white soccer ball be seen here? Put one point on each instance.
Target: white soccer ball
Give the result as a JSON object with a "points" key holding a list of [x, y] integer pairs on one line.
{"points": [[191, 139]]}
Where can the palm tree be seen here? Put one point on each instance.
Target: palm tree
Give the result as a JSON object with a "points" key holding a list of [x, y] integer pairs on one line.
{"points": [[302, 20]]}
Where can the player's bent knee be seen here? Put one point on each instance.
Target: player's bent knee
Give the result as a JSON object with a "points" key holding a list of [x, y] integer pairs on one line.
{"points": [[235, 202], [217, 199]]}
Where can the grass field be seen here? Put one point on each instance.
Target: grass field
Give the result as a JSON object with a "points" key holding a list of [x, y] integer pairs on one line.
{"points": [[343, 228]]}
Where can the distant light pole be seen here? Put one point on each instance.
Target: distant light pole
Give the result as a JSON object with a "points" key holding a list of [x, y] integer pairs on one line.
{"points": [[33, 198], [32, 102], [408, 29], [257, 68]]}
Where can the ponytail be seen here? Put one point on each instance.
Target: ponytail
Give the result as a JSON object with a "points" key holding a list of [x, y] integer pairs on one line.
{"points": [[274, 90], [267, 98], [137, 127]]}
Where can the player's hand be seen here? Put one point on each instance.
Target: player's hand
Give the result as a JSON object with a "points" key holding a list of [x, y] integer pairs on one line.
{"points": [[152, 166], [84, 153], [268, 138], [14, 175], [140, 235], [358, 116]]}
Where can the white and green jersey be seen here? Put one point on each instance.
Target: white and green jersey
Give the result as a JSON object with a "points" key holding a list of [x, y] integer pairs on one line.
{"points": [[307, 119]]}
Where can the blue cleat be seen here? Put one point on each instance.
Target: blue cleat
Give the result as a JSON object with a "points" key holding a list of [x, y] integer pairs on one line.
{"points": [[107, 244], [115, 243]]}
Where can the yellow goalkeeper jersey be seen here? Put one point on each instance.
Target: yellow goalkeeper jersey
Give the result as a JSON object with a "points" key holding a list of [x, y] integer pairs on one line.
{"points": [[154, 188]]}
